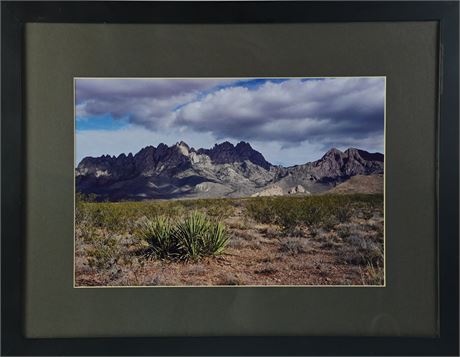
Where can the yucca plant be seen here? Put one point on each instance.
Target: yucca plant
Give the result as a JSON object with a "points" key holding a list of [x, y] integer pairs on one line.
{"points": [[190, 235], [159, 235], [216, 239], [191, 238]]}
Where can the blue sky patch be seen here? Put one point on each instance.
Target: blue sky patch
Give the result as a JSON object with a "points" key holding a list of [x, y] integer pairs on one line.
{"points": [[103, 122]]}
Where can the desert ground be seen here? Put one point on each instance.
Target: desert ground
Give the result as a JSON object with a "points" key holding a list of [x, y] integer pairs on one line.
{"points": [[328, 239]]}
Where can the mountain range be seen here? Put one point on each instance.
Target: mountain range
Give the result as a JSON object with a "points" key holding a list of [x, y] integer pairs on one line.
{"points": [[226, 170]]}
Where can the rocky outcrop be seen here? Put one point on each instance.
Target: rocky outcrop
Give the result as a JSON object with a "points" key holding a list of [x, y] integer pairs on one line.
{"points": [[271, 191], [297, 189], [336, 164], [226, 153]]}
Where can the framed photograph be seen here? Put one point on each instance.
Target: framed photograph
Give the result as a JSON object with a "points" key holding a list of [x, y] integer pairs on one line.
{"points": [[176, 214], [230, 178]]}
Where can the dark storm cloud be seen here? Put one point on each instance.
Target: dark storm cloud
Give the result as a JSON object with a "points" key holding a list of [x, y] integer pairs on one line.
{"points": [[292, 111], [108, 90], [147, 102], [333, 111]]}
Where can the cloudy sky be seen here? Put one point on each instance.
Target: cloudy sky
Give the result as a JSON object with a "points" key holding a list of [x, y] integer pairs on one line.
{"points": [[290, 121]]}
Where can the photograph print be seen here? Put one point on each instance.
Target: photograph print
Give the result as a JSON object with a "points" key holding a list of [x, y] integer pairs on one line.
{"points": [[229, 182]]}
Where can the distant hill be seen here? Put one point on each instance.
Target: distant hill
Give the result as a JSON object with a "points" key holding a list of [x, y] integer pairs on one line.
{"points": [[360, 184], [179, 171]]}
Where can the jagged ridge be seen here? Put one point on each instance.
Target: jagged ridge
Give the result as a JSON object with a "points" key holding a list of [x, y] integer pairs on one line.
{"points": [[225, 170]]}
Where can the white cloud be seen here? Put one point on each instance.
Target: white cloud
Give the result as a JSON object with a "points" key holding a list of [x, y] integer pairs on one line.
{"points": [[292, 122], [291, 111]]}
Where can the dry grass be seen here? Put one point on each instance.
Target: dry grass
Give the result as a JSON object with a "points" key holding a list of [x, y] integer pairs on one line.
{"points": [[317, 240]]}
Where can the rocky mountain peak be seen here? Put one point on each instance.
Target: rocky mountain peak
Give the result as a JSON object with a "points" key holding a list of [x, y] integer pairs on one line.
{"points": [[333, 151], [227, 153], [226, 145], [243, 145], [364, 155], [237, 170], [182, 144], [336, 164], [333, 154], [183, 148]]}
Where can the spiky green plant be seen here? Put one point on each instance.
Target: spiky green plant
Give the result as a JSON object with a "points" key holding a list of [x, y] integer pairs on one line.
{"points": [[191, 235], [216, 239], [158, 233]]}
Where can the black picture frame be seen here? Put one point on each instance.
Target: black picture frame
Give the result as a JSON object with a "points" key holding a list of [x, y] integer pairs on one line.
{"points": [[14, 17]]}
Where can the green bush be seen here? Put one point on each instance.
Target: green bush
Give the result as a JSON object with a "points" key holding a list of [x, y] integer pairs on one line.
{"points": [[192, 237], [312, 211], [262, 210], [158, 234], [311, 214]]}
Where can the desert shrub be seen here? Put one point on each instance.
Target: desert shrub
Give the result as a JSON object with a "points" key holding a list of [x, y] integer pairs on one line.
{"points": [[268, 269], [289, 212], [372, 275], [220, 211], [85, 232], [294, 246], [269, 232], [105, 216], [237, 242], [311, 214], [329, 223], [262, 210], [102, 252], [228, 279], [313, 232], [343, 213], [361, 251], [192, 237], [285, 212], [82, 197], [374, 254], [343, 232], [297, 232], [368, 213], [288, 219]]}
